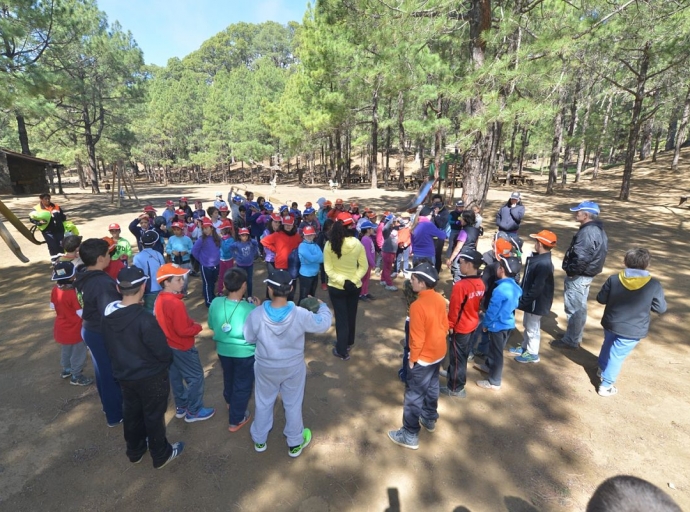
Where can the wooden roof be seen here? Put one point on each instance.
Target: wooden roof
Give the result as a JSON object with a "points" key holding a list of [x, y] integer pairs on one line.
{"points": [[21, 156]]}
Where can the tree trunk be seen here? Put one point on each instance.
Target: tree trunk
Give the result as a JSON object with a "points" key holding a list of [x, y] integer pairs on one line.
{"points": [[583, 140], [597, 155], [657, 141], [672, 128], [511, 159], [59, 178], [23, 136], [555, 150], [682, 132], [635, 123], [572, 126], [646, 146], [523, 145], [401, 140], [373, 162], [387, 169], [91, 152], [80, 174], [338, 156]]}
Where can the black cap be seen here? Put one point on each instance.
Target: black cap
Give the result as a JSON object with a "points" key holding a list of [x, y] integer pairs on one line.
{"points": [[130, 278], [511, 265], [279, 280], [63, 270], [427, 271], [473, 256], [149, 237]]}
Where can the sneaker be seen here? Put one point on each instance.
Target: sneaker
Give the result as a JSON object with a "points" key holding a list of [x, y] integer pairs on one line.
{"points": [[613, 390], [485, 384], [260, 447], [480, 354], [346, 357], [443, 373], [176, 451], [370, 296], [113, 425], [394, 275], [295, 451], [599, 373], [518, 351], [470, 356], [404, 438], [364, 298], [324, 287], [235, 428], [481, 367], [66, 373], [80, 380], [562, 344], [382, 283], [526, 357], [392, 288], [377, 272], [180, 412], [459, 393], [204, 413], [429, 425]]}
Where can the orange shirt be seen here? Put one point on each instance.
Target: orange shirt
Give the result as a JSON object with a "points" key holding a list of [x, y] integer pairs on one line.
{"points": [[428, 327]]}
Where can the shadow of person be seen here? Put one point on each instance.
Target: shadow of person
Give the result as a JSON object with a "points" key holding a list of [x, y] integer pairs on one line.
{"points": [[461, 509], [584, 358], [549, 324], [393, 500], [515, 504]]}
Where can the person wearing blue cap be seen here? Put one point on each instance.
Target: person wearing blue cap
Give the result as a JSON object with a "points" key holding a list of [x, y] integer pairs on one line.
{"points": [[583, 260], [309, 219]]}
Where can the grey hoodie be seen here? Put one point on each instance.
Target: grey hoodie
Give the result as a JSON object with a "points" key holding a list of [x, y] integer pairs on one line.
{"points": [[279, 333]]}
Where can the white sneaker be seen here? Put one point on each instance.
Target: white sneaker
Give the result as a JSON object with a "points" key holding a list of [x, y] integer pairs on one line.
{"points": [[485, 384], [613, 390], [394, 275], [382, 283], [392, 288]]}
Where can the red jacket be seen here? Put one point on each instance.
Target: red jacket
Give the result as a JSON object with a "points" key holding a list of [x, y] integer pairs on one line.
{"points": [[172, 316], [463, 312], [282, 245], [67, 328]]}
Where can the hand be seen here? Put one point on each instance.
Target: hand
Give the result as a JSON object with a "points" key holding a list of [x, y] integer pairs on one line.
{"points": [[411, 364], [349, 286], [484, 329]]}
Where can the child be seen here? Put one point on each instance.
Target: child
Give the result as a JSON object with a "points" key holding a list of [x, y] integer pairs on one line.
{"points": [[499, 320], [179, 249], [277, 329], [245, 251], [463, 318], [366, 237], [226, 318], [388, 251], [180, 331], [150, 260], [67, 327], [629, 298], [226, 243], [310, 258], [97, 290], [70, 246], [207, 251], [141, 357], [402, 258], [537, 295], [428, 330]]}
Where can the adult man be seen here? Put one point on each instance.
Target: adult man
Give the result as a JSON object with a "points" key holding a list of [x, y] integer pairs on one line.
{"points": [[509, 216], [439, 215], [50, 218], [583, 260]]}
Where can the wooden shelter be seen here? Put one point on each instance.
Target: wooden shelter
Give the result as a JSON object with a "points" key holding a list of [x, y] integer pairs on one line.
{"points": [[24, 174]]}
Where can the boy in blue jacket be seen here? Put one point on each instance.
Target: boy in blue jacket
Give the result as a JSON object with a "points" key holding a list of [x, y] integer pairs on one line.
{"points": [[310, 259], [245, 252], [499, 320]]}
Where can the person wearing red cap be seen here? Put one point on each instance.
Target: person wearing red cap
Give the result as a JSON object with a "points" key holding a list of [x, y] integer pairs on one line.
{"points": [[184, 205], [310, 259], [141, 225], [537, 295], [226, 257], [244, 251], [284, 243], [346, 264], [169, 213], [179, 249], [123, 249], [337, 209], [207, 251]]}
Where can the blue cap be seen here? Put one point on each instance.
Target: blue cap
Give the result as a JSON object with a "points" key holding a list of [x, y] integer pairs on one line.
{"points": [[587, 206], [238, 199], [268, 206], [366, 225], [309, 211], [254, 205], [389, 217], [283, 208]]}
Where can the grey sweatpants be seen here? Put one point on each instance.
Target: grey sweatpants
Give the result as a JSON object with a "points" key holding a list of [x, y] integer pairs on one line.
{"points": [[289, 382], [73, 357]]}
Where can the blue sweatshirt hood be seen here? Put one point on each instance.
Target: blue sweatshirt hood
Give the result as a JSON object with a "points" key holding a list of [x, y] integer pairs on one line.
{"points": [[277, 314]]}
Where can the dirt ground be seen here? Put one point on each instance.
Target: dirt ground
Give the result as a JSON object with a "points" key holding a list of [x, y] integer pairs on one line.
{"points": [[542, 443]]}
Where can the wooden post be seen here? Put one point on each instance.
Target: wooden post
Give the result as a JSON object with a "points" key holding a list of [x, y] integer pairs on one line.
{"points": [[116, 169], [112, 189]]}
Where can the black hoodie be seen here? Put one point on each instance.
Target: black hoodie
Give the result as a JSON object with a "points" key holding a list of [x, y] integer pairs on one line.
{"points": [[97, 290], [135, 343]]}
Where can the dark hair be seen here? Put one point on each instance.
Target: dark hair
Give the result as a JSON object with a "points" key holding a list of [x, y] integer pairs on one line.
{"points": [[468, 217], [428, 282], [281, 292], [71, 243], [131, 291], [248, 193], [234, 278], [327, 225], [91, 249], [214, 234], [630, 494], [294, 204], [637, 258], [211, 209], [436, 196], [44, 195], [261, 200], [338, 234], [242, 208]]}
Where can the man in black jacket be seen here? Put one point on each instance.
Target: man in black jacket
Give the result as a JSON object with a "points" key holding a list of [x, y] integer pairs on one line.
{"points": [[510, 215], [537, 295], [140, 357], [583, 260]]}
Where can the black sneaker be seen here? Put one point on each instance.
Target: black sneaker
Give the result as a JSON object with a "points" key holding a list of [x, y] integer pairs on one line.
{"points": [[346, 357], [176, 451]]}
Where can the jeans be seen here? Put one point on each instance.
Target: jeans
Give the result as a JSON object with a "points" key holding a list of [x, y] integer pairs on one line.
{"points": [[402, 373], [387, 267], [532, 334], [576, 290], [457, 368], [186, 368], [345, 312], [402, 260], [497, 342], [613, 352], [108, 388], [324, 277], [238, 381], [73, 357], [53, 241], [209, 276], [150, 301], [417, 259], [307, 286], [421, 395], [250, 279], [144, 403]]}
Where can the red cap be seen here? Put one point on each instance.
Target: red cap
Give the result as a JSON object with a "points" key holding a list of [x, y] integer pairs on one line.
{"points": [[225, 223], [149, 208], [243, 231], [370, 214], [308, 204], [114, 226], [180, 212], [345, 218], [177, 225], [338, 201], [184, 199], [169, 202], [206, 222], [308, 230], [223, 209], [289, 220], [546, 237], [276, 217], [327, 203], [169, 270], [354, 205]]}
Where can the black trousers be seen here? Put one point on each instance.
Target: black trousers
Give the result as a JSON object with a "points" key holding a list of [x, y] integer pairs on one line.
{"points": [[421, 395], [345, 311], [458, 353], [144, 403], [53, 241], [438, 245], [307, 286]]}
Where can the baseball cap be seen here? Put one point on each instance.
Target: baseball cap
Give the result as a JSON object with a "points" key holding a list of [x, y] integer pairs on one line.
{"points": [[205, 222], [276, 217], [510, 264], [366, 225], [180, 212], [149, 208], [225, 223], [371, 214], [459, 202], [308, 204], [289, 220], [237, 199], [405, 215], [354, 205], [268, 206], [546, 237], [63, 270], [149, 237], [587, 206], [345, 218], [223, 209], [310, 303], [111, 243], [309, 211], [219, 194], [283, 208], [338, 201], [515, 195], [472, 256], [169, 202], [279, 280], [169, 270], [327, 203], [130, 278], [183, 199], [243, 231], [177, 225], [114, 226], [308, 230], [427, 271]]}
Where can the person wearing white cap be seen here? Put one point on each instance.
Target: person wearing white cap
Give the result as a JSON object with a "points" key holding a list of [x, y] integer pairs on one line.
{"points": [[583, 260], [219, 200]]}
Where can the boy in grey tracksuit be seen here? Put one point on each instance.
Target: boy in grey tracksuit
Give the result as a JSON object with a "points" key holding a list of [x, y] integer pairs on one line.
{"points": [[277, 328]]}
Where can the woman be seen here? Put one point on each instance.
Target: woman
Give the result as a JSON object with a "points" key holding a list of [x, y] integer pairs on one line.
{"points": [[207, 251], [345, 261], [466, 241]]}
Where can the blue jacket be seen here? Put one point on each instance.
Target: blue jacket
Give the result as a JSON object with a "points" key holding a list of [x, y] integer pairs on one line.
{"points": [[245, 252], [226, 248], [310, 257], [179, 243], [255, 228], [500, 315]]}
